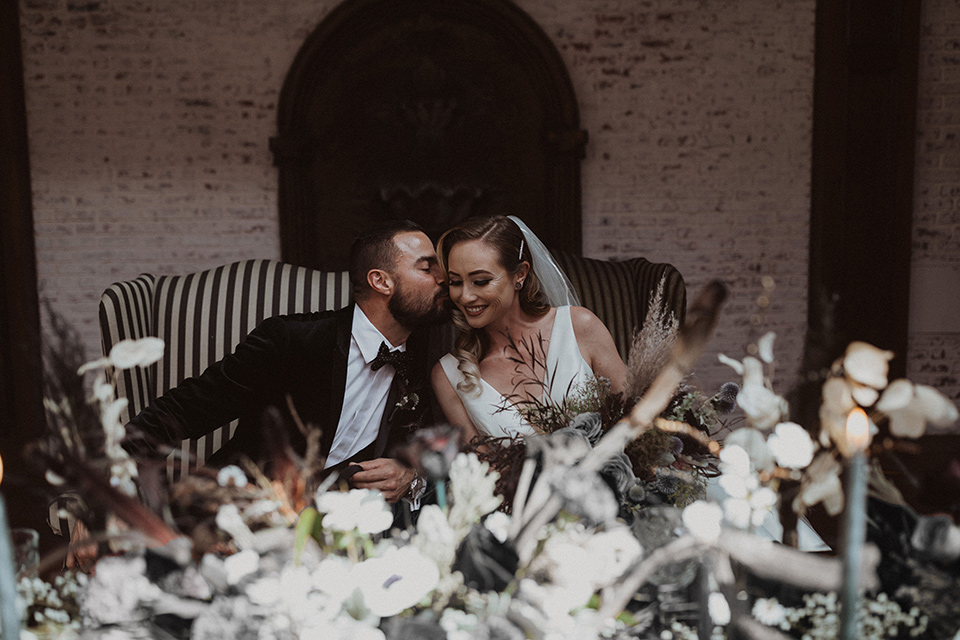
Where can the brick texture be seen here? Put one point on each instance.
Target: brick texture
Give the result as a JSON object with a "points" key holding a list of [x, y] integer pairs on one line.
{"points": [[149, 126], [700, 119], [934, 355]]}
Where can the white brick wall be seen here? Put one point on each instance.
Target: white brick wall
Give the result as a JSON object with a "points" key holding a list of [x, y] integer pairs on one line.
{"points": [[700, 118], [934, 349], [149, 127]]}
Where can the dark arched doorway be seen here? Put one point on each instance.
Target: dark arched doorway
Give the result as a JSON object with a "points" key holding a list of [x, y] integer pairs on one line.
{"points": [[433, 110]]}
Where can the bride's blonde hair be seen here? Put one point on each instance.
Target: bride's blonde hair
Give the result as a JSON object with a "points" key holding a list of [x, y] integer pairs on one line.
{"points": [[505, 236]]}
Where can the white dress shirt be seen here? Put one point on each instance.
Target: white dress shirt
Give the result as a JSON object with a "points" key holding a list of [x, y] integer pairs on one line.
{"points": [[365, 395]]}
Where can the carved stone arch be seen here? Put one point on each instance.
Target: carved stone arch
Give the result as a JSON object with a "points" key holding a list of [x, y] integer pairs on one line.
{"points": [[433, 110]]}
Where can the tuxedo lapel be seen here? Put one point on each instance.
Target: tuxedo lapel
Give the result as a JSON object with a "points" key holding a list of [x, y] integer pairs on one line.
{"points": [[338, 378], [389, 413]]}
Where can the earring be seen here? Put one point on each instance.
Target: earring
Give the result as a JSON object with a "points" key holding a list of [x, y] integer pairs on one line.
{"points": [[520, 285]]}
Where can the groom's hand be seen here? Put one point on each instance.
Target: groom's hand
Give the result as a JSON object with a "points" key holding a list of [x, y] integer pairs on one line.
{"points": [[387, 475]]}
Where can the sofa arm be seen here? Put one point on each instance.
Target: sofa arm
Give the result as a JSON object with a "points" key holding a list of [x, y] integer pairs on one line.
{"points": [[126, 313]]}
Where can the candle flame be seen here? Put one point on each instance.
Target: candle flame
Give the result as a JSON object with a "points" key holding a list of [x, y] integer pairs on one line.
{"points": [[858, 430]]}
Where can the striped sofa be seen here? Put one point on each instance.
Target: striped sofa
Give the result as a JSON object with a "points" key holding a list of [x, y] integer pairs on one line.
{"points": [[203, 316]]}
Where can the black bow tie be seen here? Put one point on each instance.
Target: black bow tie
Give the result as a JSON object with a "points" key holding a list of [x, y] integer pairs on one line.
{"points": [[401, 361]]}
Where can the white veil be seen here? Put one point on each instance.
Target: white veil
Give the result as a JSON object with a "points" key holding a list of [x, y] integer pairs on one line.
{"points": [[553, 281]]}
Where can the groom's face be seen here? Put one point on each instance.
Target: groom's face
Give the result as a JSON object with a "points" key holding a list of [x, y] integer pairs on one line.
{"points": [[420, 296]]}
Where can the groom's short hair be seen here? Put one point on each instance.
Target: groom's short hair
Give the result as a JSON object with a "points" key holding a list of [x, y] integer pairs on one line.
{"points": [[375, 249]]}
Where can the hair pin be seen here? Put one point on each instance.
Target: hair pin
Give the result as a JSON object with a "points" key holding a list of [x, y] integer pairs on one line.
{"points": [[520, 255]]}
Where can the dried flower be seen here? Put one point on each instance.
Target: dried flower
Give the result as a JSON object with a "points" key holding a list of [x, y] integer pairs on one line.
{"points": [[590, 424]]}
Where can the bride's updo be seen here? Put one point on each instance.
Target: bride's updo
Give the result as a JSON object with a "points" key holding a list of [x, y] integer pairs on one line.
{"points": [[505, 236]]}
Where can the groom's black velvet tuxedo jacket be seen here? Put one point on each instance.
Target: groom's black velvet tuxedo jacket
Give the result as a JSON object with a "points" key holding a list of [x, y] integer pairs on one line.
{"points": [[303, 355]]}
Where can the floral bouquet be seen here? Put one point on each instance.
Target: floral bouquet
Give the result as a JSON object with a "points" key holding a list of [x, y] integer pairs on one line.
{"points": [[659, 466], [271, 561]]}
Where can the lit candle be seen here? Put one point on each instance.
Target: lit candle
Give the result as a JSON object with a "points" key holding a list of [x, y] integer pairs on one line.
{"points": [[855, 520]]}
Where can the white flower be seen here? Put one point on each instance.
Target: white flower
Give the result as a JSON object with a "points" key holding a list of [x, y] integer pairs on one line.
{"points": [[750, 509], [821, 483], [769, 612], [264, 592], [836, 404], [866, 364], [232, 476], [127, 354], [361, 509], [765, 347], [734, 460], [472, 491], [102, 390], [753, 442], [910, 407], [612, 552], [397, 580], [791, 445], [240, 565], [702, 520], [498, 523], [763, 407], [333, 577], [435, 538], [229, 520], [762, 502], [719, 608], [110, 419], [458, 625], [748, 502], [736, 365], [737, 512]]}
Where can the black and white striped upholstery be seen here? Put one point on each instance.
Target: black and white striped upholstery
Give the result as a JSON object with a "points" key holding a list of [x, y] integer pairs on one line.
{"points": [[619, 292], [201, 317]]}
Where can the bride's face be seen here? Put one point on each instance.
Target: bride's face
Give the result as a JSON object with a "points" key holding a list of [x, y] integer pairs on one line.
{"points": [[479, 285]]}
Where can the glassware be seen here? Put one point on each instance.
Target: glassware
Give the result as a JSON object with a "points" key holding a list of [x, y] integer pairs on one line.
{"points": [[26, 550]]}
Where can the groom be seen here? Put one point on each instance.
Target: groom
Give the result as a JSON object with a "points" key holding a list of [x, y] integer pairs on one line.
{"points": [[358, 374]]}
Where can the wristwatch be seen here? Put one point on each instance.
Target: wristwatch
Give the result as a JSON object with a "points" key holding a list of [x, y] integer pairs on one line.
{"points": [[417, 486]]}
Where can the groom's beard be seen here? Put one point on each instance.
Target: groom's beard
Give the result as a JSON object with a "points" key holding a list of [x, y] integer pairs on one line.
{"points": [[413, 311]]}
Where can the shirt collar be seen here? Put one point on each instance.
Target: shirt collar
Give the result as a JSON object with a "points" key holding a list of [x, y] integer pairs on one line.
{"points": [[368, 337]]}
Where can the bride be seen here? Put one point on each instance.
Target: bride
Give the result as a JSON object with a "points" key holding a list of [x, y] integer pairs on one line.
{"points": [[508, 291]]}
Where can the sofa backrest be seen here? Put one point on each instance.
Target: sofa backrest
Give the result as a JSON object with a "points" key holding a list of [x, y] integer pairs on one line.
{"points": [[620, 292], [203, 316]]}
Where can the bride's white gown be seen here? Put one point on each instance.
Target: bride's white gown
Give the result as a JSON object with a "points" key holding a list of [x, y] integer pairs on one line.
{"points": [[493, 414]]}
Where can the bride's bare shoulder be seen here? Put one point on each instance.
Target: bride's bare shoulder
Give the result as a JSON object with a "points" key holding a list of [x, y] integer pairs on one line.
{"points": [[585, 320]]}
